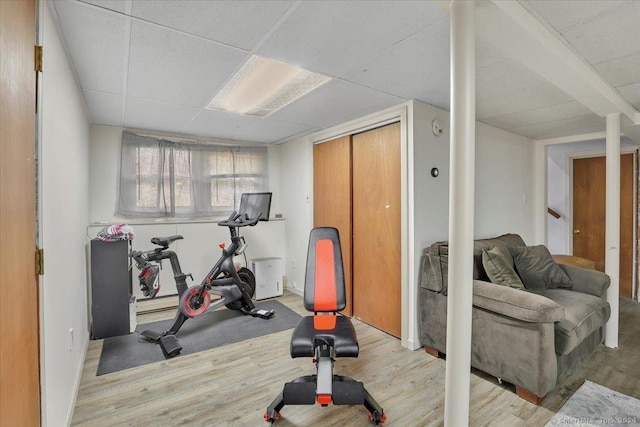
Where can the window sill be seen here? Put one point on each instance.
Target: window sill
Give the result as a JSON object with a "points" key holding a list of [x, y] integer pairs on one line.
{"points": [[161, 221]]}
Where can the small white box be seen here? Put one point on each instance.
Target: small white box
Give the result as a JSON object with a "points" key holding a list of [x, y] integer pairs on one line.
{"points": [[268, 272]]}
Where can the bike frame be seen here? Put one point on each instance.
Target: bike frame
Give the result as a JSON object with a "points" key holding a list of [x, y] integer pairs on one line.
{"points": [[225, 287]]}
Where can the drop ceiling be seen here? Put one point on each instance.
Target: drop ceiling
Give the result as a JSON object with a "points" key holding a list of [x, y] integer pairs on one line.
{"points": [[156, 64]]}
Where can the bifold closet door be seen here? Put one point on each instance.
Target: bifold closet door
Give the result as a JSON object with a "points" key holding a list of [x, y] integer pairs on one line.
{"points": [[376, 228], [332, 197]]}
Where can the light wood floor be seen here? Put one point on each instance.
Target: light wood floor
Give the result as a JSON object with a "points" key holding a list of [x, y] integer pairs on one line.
{"points": [[233, 385]]}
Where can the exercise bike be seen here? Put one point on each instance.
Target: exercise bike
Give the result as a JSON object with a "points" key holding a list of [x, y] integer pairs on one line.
{"points": [[236, 288]]}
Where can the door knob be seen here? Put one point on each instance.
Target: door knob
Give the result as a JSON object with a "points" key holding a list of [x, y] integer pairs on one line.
{"points": [[576, 231]]}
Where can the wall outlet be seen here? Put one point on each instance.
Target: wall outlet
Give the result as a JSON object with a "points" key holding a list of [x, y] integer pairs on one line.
{"points": [[294, 285], [70, 339], [293, 263]]}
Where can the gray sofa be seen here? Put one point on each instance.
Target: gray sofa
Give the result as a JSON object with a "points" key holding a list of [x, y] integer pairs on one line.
{"points": [[533, 339]]}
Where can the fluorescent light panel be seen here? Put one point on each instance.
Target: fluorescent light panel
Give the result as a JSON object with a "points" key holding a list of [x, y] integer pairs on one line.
{"points": [[264, 85]]}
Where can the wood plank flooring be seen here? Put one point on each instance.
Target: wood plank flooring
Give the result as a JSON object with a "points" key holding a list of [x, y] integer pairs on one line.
{"points": [[233, 385]]}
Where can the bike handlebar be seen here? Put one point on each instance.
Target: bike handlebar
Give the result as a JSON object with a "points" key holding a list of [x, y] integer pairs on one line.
{"points": [[239, 220]]}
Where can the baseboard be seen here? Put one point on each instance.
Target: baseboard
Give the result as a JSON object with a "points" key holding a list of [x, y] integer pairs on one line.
{"points": [[76, 387], [411, 344], [296, 291]]}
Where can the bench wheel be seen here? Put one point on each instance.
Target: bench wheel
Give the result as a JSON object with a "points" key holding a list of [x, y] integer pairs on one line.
{"points": [[271, 418], [377, 418]]}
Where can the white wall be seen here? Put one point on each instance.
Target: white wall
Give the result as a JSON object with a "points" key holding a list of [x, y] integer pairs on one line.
{"points": [[64, 214], [558, 193], [503, 188], [504, 183], [296, 188], [199, 250]]}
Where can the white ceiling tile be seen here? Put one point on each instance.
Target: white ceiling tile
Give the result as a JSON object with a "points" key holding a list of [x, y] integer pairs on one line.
{"points": [[610, 36], [237, 23], [544, 114], [104, 108], [220, 124], [172, 67], [413, 64], [437, 95], [523, 99], [559, 128], [116, 5], [333, 37], [329, 102], [631, 92], [418, 67], [145, 114], [562, 14], [486, 53], [95, 39], [369, 109], [621, 71], [504, 76], [269, 131]]}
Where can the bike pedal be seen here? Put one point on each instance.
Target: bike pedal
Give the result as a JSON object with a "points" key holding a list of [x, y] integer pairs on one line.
{"points": [[264, 314], [170, 345], [152, 335]]}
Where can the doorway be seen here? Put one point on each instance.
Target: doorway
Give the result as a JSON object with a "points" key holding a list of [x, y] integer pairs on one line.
{"points": [[589, 205], [357, 190]]}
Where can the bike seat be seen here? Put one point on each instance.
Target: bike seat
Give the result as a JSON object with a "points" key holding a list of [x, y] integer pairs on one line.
{"points": [[165, 241]]}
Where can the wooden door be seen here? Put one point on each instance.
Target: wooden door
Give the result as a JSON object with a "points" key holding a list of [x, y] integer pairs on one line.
{"points": [[19, 333], [589, 206], [376, 228], [332, 197]]}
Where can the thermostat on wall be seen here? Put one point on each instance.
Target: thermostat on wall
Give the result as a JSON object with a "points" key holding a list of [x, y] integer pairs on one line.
{"points": [[437, 127]]}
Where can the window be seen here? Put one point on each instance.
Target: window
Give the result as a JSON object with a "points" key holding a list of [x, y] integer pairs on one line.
{"points": [[162, 178]]}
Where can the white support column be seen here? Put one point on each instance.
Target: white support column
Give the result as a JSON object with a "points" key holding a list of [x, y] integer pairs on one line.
{"points": [[461, 213], [539, 176], [612, 226]]}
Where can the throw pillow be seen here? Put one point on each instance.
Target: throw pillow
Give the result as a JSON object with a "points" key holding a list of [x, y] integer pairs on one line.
{"points": [[499, 270], [537, 269]]}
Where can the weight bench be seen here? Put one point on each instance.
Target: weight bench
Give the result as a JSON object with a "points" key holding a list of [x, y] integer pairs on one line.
{"points": [[324, 336]]}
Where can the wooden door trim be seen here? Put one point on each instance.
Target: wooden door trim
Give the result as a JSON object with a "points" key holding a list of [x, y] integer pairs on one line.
{"points": [[570, 157]]}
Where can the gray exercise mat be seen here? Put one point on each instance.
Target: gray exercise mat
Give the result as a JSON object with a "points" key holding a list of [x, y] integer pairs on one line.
{"points": [[213, 329]]}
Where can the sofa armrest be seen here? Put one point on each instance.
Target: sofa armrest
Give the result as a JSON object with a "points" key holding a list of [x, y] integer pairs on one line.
{"points": [[515, 303], [587, 281]]}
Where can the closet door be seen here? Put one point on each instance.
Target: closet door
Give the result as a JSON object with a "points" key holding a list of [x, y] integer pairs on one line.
{"points": [[332, 197], [376, 228]]}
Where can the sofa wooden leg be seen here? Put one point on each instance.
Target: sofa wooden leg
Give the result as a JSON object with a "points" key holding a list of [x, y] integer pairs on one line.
{"points": [[529, 396], [432, 351]]}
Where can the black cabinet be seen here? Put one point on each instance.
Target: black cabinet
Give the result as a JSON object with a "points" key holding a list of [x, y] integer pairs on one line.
{"points": [[110, 288]]}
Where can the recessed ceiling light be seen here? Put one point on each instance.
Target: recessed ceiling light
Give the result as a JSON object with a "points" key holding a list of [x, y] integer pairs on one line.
{"points": [[264, 85]]}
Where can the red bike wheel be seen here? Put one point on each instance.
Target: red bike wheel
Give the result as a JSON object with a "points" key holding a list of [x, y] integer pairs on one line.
{"points": [[193, 304]]}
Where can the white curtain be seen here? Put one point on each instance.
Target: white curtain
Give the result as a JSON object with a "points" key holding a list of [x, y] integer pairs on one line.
{"points": [[163, 178]]}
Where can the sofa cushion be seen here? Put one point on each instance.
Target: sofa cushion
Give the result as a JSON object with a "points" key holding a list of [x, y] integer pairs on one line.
{"points": [[537, 269], [434, 264], [499, 269], [501, 242], [583, 314]]}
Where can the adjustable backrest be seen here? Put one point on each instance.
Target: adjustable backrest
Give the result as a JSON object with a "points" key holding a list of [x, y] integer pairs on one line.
{"points": [[324, 289]]}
